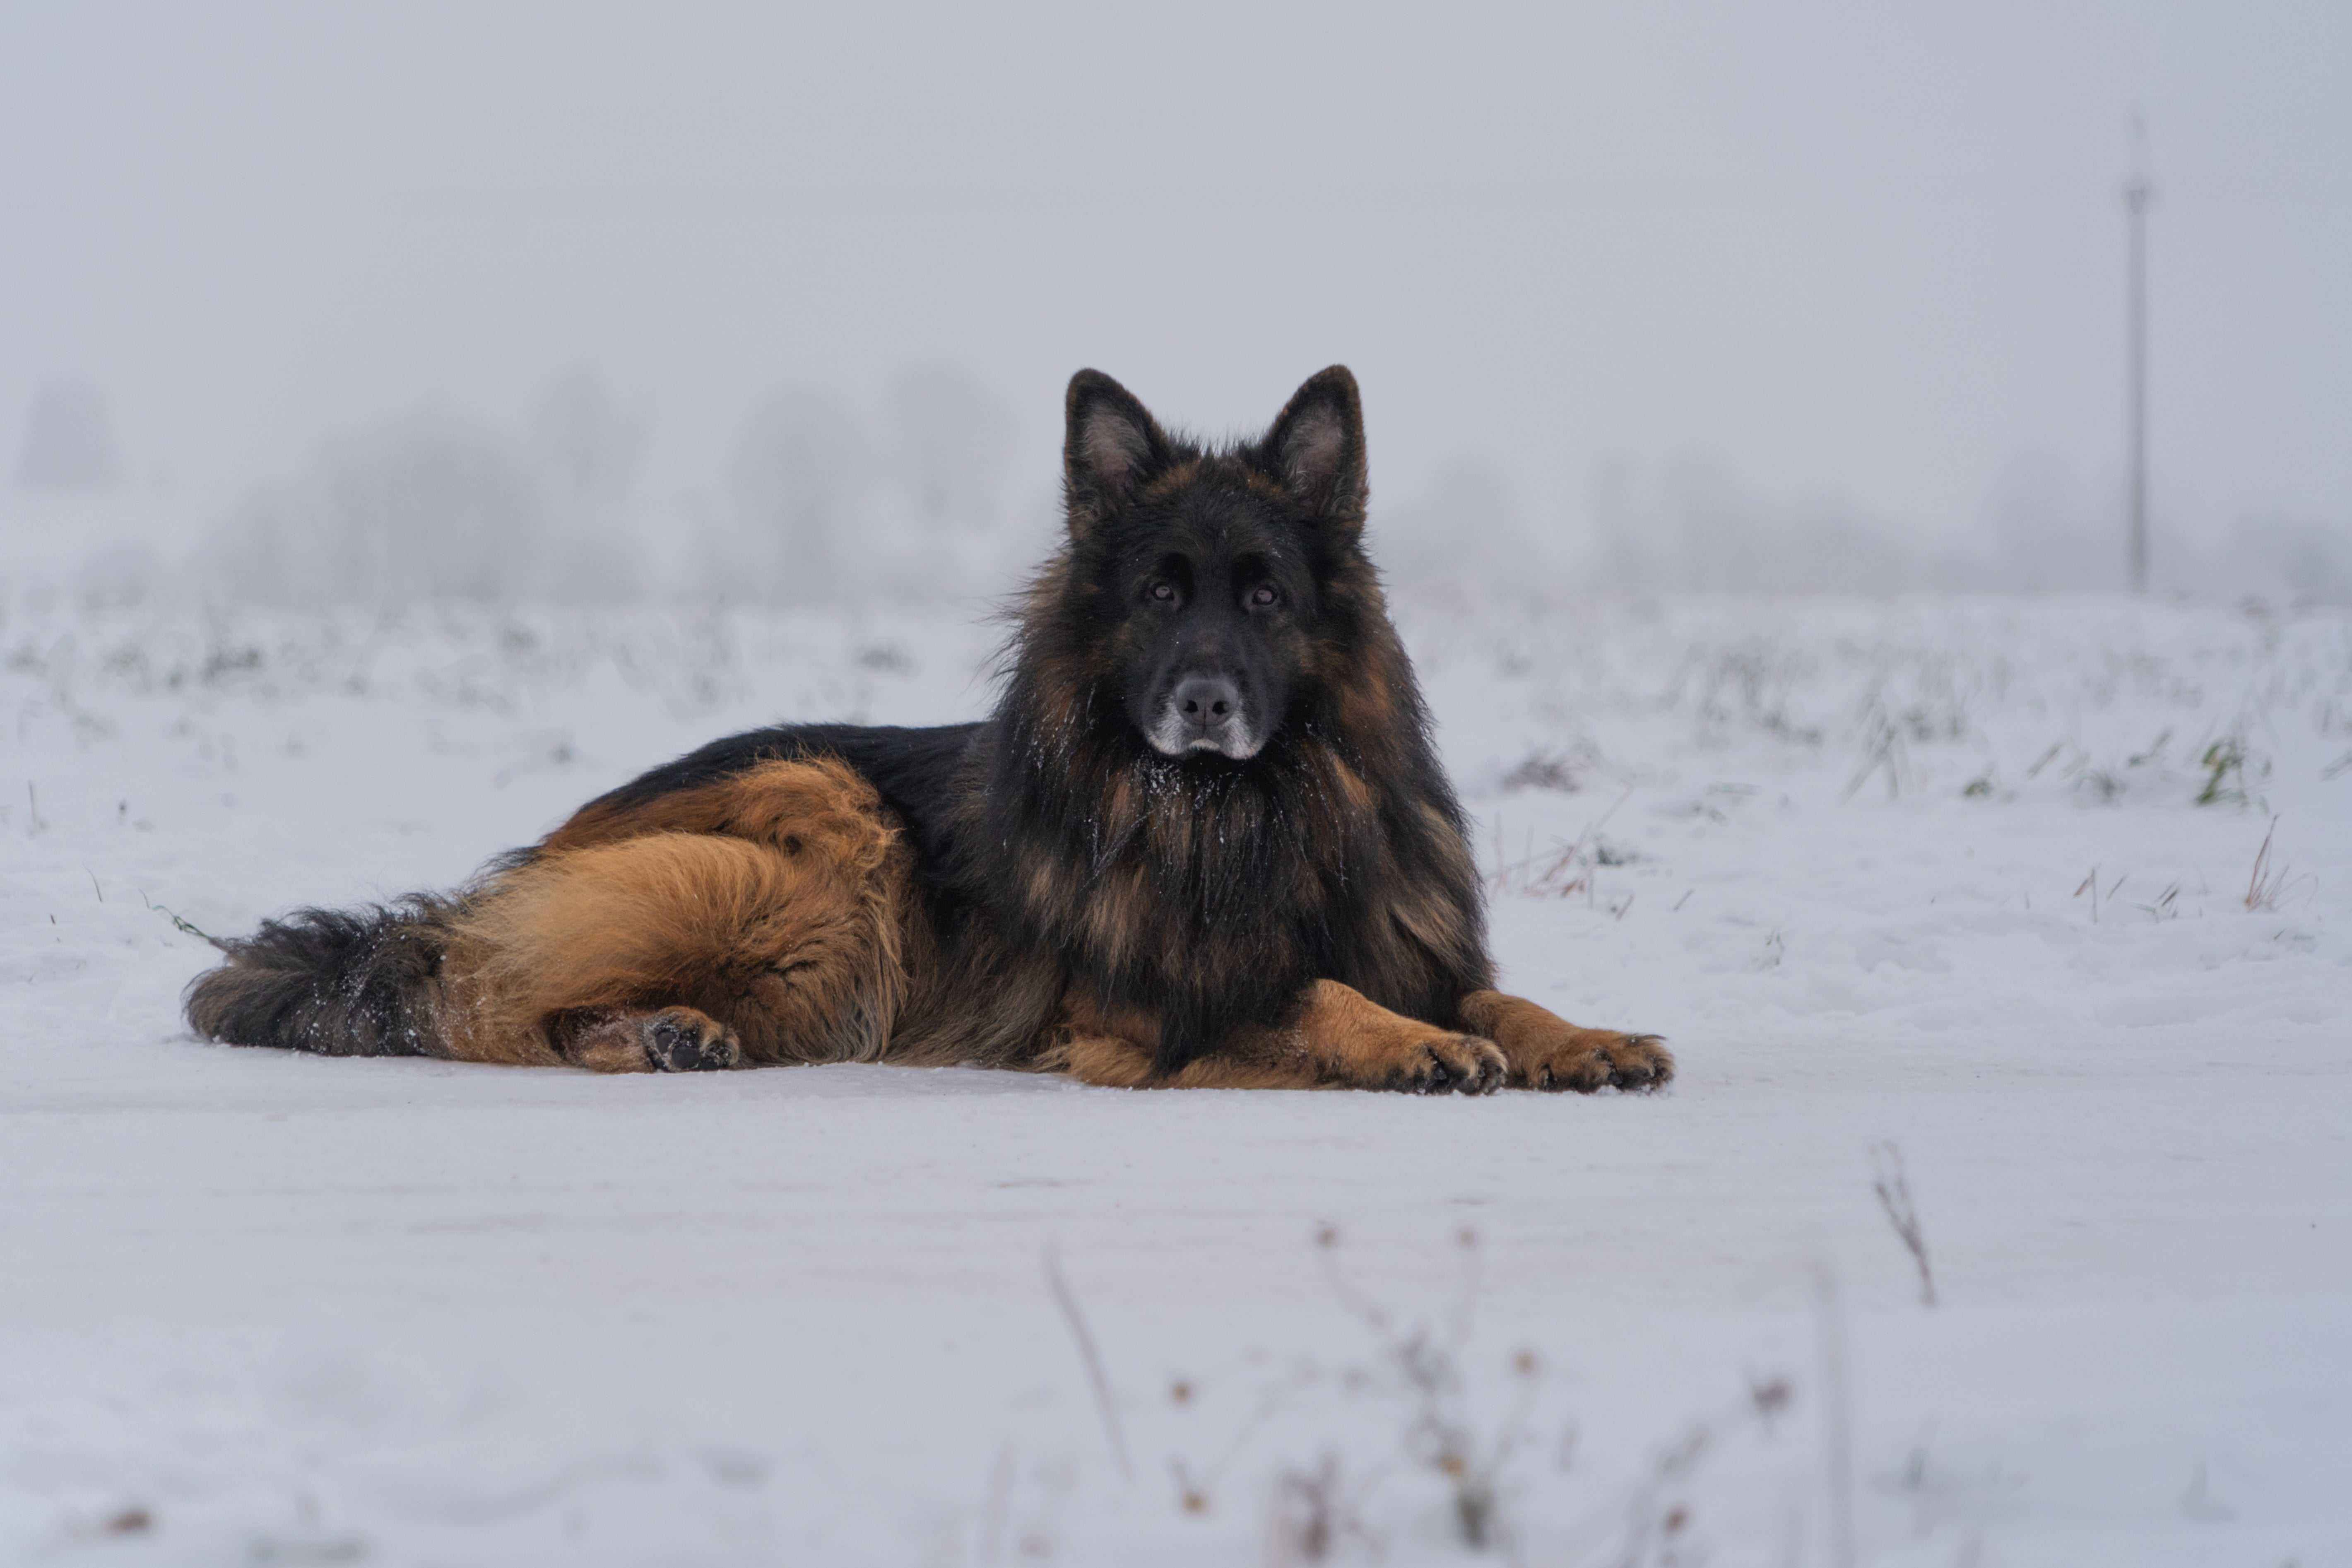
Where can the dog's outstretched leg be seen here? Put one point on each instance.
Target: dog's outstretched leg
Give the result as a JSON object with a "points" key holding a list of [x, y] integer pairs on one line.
{"points": [[1340, 1039], [1546, 1051]]}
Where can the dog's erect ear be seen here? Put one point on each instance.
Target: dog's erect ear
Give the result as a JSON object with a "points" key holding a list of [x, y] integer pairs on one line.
{"points": [[1316, 446], [1111, 444]]}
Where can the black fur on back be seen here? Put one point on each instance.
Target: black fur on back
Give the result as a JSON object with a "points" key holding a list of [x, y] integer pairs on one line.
{"points": [[338, 983]]}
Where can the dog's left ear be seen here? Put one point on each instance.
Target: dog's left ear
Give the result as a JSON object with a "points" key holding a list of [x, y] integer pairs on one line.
{"points": [[1112, 443], [1317, 447]]}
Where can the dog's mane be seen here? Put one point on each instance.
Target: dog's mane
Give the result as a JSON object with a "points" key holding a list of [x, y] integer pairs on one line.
{"points": [[1210, 894]]}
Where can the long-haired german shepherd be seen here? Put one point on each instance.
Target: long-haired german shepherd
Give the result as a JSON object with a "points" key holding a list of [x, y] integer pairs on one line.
{"points": [[1203, 841]]}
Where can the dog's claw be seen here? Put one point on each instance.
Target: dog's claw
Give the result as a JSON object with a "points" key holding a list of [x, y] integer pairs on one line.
{"points": [[1641, 1061], [1614, 1061], [1455, 1064]]}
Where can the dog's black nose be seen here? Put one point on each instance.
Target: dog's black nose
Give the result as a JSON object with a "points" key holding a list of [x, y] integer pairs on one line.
{"points": [[1207, 703]]}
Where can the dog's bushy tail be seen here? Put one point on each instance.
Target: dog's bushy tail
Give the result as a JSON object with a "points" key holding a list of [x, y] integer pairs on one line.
{"points": [[342, 984]]}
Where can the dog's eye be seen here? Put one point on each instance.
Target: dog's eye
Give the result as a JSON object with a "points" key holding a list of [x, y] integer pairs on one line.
{"points": [[1160, 591], [1264, 596]]}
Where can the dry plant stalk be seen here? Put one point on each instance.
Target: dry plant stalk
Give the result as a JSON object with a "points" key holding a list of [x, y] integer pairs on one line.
{"points": [[2269, 884], [1566, 870], [1103, 1401], [1316, 1513], [1443, 1435], [1655, 1525], [1894, 1190]]}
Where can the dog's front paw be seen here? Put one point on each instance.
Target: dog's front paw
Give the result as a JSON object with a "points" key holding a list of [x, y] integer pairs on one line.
{"points": [[1437, 1063], [1587, 1059], [1547, 1051]]}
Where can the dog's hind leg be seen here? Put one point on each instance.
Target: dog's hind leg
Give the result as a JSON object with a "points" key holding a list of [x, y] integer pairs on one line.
{"points": [[674, 1039], [675, 951]]}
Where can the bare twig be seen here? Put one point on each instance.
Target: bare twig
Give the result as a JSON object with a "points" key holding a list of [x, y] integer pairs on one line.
{"points": [[1894, 1190], [1103, 1401]]}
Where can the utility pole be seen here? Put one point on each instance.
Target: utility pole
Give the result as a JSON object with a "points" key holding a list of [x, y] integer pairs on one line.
{"points": [[2138, 193]]}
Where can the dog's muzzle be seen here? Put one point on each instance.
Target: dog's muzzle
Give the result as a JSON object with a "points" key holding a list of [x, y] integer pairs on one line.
{"points": [[1204, 713]]}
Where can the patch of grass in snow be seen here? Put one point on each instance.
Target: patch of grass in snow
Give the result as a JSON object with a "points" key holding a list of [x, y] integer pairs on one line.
{"points": [[1551, 770], [2225, 762], [1443, 1433], [1481, 1445], [1751, 683]]}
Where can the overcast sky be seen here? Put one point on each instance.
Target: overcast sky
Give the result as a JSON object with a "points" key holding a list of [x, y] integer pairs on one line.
{"points": [[1862, 260]]}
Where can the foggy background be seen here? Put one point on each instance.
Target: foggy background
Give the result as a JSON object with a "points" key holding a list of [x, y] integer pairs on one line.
{"points": [[300, 301]]}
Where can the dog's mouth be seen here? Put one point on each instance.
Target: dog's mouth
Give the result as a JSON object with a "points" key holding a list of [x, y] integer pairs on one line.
{"points": [[1205, 718], [1174, 740]]}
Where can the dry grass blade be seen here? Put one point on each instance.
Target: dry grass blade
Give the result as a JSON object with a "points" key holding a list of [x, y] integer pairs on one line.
{"points": [[1893, 1186], [189, 927], [2262, 886], [1086, 1353]]}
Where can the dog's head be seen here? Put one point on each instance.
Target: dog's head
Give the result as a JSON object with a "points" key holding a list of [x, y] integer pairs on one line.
{"points": [[1207, 580]]}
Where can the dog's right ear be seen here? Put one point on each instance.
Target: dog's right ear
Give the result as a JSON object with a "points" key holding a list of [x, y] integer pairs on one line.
{"points": [[1111, 445]]}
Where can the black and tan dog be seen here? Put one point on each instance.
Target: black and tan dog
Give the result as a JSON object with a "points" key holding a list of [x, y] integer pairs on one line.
{"points": [[1203, 841]]}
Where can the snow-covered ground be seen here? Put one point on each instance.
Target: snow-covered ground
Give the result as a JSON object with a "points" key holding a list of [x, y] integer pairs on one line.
{"points": [[1922, 887]]}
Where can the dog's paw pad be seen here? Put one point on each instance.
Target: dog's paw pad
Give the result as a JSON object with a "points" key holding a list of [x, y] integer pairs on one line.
{"points": [[683, 1041]]}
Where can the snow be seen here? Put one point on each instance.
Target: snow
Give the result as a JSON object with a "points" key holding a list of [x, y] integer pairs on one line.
{"points": [[1927, 873]]}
